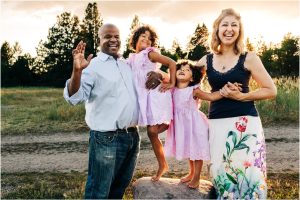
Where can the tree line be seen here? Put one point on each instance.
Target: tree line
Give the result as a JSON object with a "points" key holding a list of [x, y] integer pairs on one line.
{"points": [[52, 65]]}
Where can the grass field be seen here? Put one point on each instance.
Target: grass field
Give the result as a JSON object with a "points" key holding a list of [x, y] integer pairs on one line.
{"points": [[38, 110], [44, 110], [71, 185]]}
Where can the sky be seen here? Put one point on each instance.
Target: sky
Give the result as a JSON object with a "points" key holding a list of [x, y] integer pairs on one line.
{"points": [[28, 22]]}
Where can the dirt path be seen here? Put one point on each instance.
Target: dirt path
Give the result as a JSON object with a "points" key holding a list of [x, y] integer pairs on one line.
{"points": [[68, 151]]}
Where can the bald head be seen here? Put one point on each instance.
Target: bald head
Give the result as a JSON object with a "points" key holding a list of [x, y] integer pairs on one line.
{"points": [[106, 26], [109, 39]]}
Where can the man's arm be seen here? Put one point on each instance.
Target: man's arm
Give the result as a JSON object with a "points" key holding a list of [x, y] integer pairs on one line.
{"points": [[79, 63]]}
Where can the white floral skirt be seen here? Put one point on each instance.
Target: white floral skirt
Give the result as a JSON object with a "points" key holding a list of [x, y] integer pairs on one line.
{"points": [[238, 157]]}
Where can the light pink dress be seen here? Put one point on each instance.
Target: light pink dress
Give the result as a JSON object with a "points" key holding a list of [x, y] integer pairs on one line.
{"points": [[155, 107], [187, 136]]}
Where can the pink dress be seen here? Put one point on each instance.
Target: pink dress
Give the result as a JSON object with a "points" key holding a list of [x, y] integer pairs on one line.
{"points": [[155, 107], [187, 136]]}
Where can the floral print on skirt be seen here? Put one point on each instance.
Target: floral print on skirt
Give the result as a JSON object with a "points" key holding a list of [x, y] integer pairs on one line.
{"points": [[238, 157]]}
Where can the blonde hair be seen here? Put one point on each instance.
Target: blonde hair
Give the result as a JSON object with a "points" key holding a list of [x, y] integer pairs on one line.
{"points": [[215, 40]]}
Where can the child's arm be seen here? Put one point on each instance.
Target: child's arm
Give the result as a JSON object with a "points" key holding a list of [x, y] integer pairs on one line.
{"points": [[207, 96], [164, 60], [165, 76], [198, 93]]}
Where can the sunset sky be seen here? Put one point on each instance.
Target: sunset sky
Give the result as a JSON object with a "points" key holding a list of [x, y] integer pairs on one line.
{"points": [[28, 22]]}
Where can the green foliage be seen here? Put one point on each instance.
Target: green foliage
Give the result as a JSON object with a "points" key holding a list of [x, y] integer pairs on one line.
{"points": [[177, 51], [39, 67], [22, 75], [15, 67], [53, 64], [90, 27], [6, 59], [197, 46], [168, 53], [58, 56], [282, 60]]}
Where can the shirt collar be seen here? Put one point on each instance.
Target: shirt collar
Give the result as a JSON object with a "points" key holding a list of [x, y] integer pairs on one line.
{"points": [[105, 57]]}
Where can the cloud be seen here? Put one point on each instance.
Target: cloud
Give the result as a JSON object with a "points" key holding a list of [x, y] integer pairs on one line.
{"points": [[28, 21], [168, 11]]}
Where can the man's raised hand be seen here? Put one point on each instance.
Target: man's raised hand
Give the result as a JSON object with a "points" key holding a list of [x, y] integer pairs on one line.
{"points": [[79, 62]]}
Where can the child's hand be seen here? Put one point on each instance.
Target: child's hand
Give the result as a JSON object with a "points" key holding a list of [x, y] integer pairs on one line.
{"points": [[195, 94], [166, 86]]}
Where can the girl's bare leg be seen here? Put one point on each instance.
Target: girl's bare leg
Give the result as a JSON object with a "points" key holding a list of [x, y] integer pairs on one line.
{"points": [[158, 150], [194, 183], [189, 177]]}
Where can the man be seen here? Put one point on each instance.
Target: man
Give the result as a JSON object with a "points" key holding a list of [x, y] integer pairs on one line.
{"points": [[105, 84]]}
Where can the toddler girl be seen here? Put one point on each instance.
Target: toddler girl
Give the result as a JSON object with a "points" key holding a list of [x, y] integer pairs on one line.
{"points": [[187, 135], [155, 105]]}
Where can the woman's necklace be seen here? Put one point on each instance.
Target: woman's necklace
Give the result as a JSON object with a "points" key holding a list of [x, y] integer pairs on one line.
{"points": [[223, 67]]}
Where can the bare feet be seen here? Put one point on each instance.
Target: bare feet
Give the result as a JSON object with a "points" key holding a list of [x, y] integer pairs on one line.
{"points": [[160, 172], [186, 178], [194, 184]]}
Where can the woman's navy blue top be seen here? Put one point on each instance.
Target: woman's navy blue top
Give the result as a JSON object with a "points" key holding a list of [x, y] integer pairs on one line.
{"points": [[226, 107]]}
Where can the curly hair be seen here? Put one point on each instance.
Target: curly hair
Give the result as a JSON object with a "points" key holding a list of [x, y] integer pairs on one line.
{"points": [[140, 30], [197, 72], [215, 40]]}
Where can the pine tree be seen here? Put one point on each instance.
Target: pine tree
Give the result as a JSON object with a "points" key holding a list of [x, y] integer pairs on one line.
{"points": [[22, 75], [90, 27], [6, 63], [177, 51], [38, 66], [289, 55], [169, 54], [198, 45], [17, 51], [56, 53], [134, 24], [15, 67]]}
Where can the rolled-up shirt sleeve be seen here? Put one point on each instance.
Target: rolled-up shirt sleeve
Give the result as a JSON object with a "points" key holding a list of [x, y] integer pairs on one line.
{"points": [[83, 93]]}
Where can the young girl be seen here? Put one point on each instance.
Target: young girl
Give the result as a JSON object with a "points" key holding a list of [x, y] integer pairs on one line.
{"points": [[187, 135], [155, 105]]}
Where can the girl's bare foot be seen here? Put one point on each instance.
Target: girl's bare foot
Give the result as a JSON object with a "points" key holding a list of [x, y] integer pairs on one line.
{"points": [[161, 170], [186, 178], [193, 184]]}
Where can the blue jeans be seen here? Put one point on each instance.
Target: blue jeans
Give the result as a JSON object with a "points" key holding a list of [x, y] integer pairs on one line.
{"points": [[112, 159]]}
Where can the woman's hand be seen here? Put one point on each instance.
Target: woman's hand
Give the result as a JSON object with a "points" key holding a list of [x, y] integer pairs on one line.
{"points": [[232, 91]]}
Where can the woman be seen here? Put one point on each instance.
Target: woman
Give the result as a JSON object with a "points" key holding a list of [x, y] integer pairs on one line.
{"points": [[237, 143]]}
